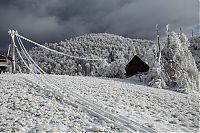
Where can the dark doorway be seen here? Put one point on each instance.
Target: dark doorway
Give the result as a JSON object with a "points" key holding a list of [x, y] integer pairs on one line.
{"points": [[136, 66]]}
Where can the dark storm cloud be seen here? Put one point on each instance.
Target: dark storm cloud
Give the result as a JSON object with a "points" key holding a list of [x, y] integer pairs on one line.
{"points": [[55, 20]]}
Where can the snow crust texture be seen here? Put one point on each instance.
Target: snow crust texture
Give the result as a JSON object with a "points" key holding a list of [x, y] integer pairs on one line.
{"points": [[25, 107]]}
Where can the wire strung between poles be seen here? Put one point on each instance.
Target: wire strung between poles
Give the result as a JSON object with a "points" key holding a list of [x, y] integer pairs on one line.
{"points": [[86, 104], [93, 107], [29, 57], [55, 51]]}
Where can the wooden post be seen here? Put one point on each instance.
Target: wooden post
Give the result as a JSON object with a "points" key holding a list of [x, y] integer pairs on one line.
{"points": [[158, 37]]}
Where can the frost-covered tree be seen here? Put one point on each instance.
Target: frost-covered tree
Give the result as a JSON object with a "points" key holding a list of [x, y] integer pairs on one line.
{"points": [[93, 69], [79, 69], [113, 47], [103, 69], [117, 69], [180, 71], [88, 70]]}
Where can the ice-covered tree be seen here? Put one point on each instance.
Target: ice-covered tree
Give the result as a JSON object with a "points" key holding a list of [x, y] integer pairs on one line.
{"points": [[79, 69], [102, 45], [180, 71], [103, 69], [87, 71]]}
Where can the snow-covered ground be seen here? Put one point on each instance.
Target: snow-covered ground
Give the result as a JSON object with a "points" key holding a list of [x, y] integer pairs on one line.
{"points": [[25, 106]]}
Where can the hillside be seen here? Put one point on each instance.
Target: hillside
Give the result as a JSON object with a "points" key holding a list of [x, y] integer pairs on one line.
{"points": [[29, 105], [98, 46], [179, 71]]}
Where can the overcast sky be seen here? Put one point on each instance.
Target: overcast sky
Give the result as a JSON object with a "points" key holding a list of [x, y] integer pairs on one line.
{"points": [[55, 20]]}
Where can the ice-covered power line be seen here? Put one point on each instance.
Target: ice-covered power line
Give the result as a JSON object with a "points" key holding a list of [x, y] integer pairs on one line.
{"points": [[55, 51], [124, 123], [26, 54], [89, 106], [20, 56]]}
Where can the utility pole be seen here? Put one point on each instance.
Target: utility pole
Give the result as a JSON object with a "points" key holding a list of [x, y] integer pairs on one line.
{"points": [[8, 53], [158, 42], [167, 28], [192, 33], [12, 34], [180, 32]]}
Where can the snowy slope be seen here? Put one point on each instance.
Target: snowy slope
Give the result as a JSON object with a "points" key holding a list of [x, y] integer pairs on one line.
{"points": [[175, 69], [101, 45], [25, 106], [28, 108]]}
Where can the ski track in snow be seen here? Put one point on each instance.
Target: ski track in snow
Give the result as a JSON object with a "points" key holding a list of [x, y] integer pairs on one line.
{"points": [[26, 107]]}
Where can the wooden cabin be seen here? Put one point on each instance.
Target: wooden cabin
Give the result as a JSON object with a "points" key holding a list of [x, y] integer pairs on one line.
{"points": [[136, 66], [4, 63]]}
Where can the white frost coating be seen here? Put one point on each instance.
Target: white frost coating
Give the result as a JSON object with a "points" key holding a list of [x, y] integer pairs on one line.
{"points": [[52, 50], [26, 54], [121, 50], [180, 71], [92, 108], [27, 107]]}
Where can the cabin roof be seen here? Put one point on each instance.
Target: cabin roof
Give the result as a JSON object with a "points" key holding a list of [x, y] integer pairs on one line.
{"points": [[136, 66]]}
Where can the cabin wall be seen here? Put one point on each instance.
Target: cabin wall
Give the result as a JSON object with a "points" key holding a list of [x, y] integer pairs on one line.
{"points": [[4, 65]]}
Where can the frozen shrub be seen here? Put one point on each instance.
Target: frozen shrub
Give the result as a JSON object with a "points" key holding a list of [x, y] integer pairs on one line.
{"points": [[87, 71], [79, 70], [103, 69]]}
